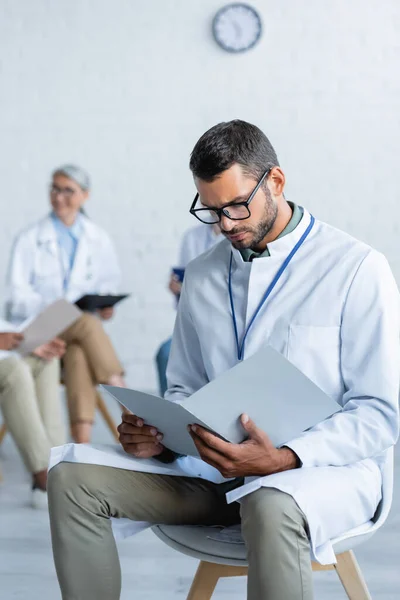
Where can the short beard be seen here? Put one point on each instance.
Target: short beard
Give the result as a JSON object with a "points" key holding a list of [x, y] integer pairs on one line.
{"points": [[262, 229]]}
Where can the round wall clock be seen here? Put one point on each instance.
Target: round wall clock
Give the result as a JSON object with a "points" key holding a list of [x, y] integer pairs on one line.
{"points": [[237, 27]]}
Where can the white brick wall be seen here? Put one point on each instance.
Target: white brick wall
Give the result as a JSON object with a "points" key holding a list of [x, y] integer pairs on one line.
{"points": [[125, 88]]}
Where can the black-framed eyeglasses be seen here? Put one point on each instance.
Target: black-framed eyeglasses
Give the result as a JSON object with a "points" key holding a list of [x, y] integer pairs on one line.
{"points": [[67, 191], [236, 211]]}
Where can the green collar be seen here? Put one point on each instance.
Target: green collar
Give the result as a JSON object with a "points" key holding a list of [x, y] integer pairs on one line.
{"points": [[248, 254]]}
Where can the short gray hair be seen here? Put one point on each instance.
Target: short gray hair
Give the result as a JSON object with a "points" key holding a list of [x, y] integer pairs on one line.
{"points": [[80, 176]]}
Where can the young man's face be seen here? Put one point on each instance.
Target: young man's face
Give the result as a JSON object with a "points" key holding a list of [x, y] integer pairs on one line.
{"points": [[233, 185]]}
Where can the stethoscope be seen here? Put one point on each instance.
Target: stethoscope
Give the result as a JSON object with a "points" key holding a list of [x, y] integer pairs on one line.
{"points": [[52, 247], [241, 345]]}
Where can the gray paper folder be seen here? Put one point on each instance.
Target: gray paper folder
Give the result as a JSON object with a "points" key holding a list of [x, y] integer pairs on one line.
{"points": [[47, 325], [278, 397]]}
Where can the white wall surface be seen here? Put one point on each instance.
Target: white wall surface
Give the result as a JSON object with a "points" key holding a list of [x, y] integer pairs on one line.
{"points": [[126, 87]]}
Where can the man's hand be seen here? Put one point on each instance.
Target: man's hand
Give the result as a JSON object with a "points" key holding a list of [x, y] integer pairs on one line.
{"points": [[10, 341], [106, 313], [175, 285], [54, 349], [138, 439], [256, 456]]}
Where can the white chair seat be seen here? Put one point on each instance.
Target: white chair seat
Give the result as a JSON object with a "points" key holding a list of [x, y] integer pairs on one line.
{"points": [[221, 559], [194, 541]]}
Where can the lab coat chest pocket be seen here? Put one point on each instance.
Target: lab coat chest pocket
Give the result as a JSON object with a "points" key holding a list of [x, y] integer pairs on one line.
{"points": [[47, 262], [315, 350]]}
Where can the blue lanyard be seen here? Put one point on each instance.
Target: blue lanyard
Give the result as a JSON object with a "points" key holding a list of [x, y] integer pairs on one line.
{"points": [[240, 347]]}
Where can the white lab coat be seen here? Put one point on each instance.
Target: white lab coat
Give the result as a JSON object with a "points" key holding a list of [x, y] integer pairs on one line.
{"points": [[335, 315], [37, 267], [196, 241]]}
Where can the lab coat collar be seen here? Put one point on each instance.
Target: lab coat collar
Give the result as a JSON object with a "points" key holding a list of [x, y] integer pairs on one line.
{"points": [[89, 228], [74, 230], [280, 247], [47, 232]]}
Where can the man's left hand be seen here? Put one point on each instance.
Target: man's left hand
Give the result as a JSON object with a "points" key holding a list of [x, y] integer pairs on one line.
{"points": [[255, 456]]}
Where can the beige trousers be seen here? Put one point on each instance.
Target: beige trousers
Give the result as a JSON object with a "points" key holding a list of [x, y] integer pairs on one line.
{"points": [[83, 497], [89, 360], [30, 403]]}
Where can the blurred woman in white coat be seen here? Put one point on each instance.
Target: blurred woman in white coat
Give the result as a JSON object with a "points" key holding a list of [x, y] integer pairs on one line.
{"points": [[66, 255]]}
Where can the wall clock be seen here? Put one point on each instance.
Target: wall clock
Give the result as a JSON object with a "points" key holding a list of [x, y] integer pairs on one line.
{"points": [[237, 27]]}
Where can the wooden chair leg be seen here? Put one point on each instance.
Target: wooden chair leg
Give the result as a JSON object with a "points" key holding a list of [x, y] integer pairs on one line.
{"points": [[3, 431], [317, 567], [207, 576], [101, 405], [351, 577]]}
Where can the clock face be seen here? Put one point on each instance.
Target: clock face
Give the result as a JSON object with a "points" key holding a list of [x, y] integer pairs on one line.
{"points": [[237, 27]]}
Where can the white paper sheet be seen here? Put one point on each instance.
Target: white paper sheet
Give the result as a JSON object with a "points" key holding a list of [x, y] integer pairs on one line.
{"points": [[47, 325], [115, 456], [279, 398]]}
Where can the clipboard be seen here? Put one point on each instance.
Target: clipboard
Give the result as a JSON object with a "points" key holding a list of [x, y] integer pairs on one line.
{"points": [[93, 302]]}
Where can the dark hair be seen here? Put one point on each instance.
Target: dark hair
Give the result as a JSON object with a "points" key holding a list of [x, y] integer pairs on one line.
{"points": [[232, 142]]}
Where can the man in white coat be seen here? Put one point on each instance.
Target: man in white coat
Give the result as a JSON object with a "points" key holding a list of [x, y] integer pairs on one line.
{"points": [[328, 303]]}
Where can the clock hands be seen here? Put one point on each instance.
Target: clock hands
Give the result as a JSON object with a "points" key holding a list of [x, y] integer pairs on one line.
{"points": [[238, 30]]}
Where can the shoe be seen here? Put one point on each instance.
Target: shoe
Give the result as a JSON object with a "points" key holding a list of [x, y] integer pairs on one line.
{"points": [[39, 499]]}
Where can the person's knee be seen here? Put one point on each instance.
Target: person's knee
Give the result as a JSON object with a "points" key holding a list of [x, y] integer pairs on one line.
{"points": [[87, 323], [67, 480], [60, 477], [17, 371], [269, 510], [86, 318], [75, 488]]}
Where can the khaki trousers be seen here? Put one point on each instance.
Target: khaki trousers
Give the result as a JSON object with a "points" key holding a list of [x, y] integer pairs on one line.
{"points": [[89, 360], [29, 400], [83, 497]]}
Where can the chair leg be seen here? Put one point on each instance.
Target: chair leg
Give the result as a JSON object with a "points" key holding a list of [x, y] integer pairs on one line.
{"points": [[207, 576], [317, 567], [101, 405], [3, 431], [351, 577]]}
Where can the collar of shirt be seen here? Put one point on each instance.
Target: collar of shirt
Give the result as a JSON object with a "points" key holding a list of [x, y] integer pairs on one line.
{"points": [[297, 214], [68, 240], [73, 231]]}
